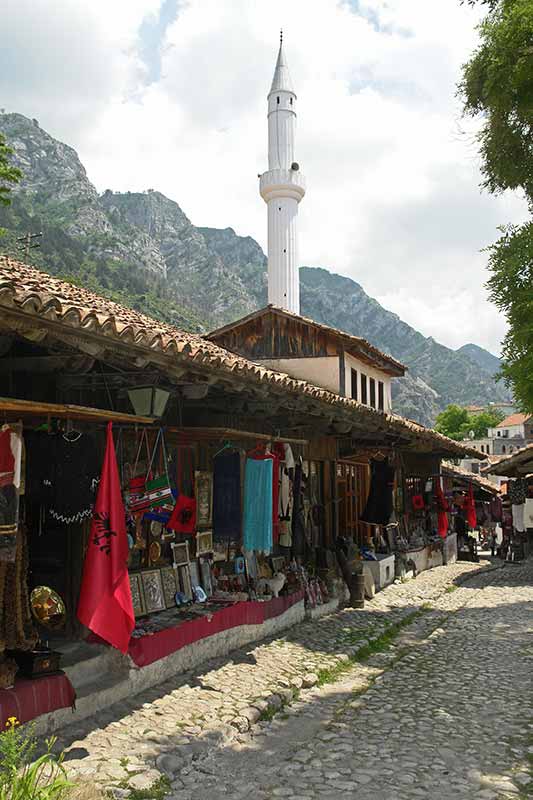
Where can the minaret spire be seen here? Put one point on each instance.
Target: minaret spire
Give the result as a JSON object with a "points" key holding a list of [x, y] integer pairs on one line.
{"points": [[282, 188]]}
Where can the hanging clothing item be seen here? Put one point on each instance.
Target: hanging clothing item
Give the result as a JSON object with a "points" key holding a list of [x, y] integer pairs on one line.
{"points": [[517, 491], [299, 541], [75, 478], [274, 457], [442, 509], [287, 475], [496, 509], [379, 505], [470, 508], [226, 496], [184, 514], [40, 466], [518, 517], [10, 475], [528, 513], [16, 627], [257, 519]]}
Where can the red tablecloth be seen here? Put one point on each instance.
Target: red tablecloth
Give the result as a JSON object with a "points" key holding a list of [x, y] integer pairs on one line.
{"points": [[31, 698], [147, 649]]}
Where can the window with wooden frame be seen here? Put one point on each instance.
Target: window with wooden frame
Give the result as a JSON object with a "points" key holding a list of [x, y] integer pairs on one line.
{"points": [[364, 389], [381, 396], [372, 392], [353, 486], [354, 384]]}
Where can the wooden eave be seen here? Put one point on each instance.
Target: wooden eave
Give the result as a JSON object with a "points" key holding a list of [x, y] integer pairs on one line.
{"points": [[354, 345], [13, 408]]}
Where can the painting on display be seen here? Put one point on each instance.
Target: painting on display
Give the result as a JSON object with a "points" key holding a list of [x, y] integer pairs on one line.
{"points": [[185, 581], [154, 598], [137, 595], [194, 573], [203, 489], [170, 586]]}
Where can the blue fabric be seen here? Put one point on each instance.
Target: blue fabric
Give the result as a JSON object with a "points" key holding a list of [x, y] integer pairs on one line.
{"points": [[227, 496], [257, 521]]}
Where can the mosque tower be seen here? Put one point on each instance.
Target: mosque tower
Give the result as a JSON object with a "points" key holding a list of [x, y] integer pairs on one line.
{"points": [[282, 188]]}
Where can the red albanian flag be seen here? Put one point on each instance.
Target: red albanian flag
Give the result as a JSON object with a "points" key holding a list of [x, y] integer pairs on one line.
{"points": [[105, 605], [442, 508], [470, 508]]}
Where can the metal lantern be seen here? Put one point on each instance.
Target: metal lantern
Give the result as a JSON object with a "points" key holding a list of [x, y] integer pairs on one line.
{"points": [[149, 401]]}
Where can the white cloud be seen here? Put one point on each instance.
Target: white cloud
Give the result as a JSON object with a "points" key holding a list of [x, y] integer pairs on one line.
{"points": [[393, 197]]}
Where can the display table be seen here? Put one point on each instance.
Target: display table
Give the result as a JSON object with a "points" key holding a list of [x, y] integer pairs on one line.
{"points": [[145, 650], [29, 699], [382, 570]]}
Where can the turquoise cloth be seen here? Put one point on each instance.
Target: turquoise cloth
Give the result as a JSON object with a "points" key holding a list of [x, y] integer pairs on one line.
{"points": [[257, 521]]}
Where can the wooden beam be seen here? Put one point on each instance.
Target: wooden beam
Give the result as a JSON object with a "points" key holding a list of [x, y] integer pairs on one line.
{"points": [[9, 405], [232, 433]]}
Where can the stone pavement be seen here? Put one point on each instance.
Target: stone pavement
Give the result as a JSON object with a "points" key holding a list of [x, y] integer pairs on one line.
{"points": [[414, 702]]}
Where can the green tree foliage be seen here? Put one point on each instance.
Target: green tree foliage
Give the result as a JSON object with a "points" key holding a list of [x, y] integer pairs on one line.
{"points": [[8, 173], [457, 423], [452, 421], [497, 87]]}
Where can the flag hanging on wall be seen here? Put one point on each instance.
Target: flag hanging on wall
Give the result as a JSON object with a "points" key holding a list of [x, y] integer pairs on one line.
{"points": [[105, 605], [471, 516]]}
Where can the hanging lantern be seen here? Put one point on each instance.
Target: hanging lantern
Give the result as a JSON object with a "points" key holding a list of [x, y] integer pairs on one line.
{"points": [[149, 401]]}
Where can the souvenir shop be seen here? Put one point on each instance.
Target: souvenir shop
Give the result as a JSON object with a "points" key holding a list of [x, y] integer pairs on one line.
{"points": [[222, 528], [475, 511], [515, 535], [237, 487], [396, 511]]}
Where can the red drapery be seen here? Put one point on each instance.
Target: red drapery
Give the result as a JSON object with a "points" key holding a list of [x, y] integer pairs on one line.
{"points": [[105, 605], [29, 699]]}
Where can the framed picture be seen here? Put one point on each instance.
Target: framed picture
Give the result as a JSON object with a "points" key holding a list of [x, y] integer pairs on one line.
{"points": [[203, 490], [180, 553], [154, 599], [169, 579], [185, 580], [205, 575], [194, 573], [204, 542], [137, 598], [278, 563]]}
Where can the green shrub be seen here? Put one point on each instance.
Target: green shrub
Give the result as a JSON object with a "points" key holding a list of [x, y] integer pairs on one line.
{"points": [[22, 778]]}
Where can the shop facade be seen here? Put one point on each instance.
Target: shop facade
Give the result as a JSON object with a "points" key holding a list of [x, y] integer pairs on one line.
{"points": [[237, 482]]}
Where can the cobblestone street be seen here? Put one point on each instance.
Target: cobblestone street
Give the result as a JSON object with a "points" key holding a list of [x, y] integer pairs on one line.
{"points": [[427, 693]]}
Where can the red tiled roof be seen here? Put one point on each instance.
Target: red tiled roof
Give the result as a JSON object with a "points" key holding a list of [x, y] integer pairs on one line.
{"points": [[34, 294], [513, 419]]}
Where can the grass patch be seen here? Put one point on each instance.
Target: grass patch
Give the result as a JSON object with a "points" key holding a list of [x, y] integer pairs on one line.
{"points": [[268, 714], [157, 791], [450, 589], [378, 645]]}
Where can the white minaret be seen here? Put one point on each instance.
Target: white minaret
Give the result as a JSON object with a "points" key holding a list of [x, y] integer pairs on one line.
{"points": [[282, 188]]}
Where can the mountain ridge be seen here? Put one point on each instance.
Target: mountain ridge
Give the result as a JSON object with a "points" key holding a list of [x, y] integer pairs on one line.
{"points": [[141, 249]]}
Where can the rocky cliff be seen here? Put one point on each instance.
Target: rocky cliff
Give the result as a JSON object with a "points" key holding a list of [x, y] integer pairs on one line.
{"points": [[142, 250]]}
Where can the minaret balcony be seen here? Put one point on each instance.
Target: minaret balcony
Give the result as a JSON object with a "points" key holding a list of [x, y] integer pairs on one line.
{"points": [[282, 183]]}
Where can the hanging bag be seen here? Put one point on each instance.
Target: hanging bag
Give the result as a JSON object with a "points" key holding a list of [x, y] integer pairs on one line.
{"points": [[418, 503], [157, 490], [183, 518], [137, 483]]}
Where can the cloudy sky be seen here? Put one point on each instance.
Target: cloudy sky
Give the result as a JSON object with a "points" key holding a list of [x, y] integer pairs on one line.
{"points": [[171, 95]]}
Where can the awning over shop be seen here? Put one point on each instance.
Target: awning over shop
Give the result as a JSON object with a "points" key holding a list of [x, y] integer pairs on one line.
{"points": [[516, 465], [461, 475]]}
